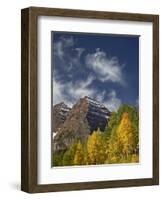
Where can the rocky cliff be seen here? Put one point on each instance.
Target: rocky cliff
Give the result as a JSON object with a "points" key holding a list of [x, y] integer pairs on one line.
{"points": [[60, 113], [97, 114], [79, 122]]}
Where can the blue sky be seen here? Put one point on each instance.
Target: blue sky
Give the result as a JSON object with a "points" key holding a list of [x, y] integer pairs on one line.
{"points": [[103, 67]]}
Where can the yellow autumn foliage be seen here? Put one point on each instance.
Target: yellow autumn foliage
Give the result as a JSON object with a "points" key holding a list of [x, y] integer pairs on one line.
{"points": [[79, 155], [126, 135], [95, 148], [118, 143], [121, 146]]}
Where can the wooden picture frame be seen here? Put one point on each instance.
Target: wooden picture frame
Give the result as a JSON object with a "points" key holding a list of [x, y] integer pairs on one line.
{"points": [[29, 97]]}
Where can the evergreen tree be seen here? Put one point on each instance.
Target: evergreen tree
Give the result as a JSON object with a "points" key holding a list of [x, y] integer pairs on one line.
{"points": [[68, 158], [58, 158], [119, 143]]}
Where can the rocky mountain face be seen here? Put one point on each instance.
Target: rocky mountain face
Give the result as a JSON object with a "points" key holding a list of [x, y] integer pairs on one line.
{"points": [[60, 113], [97, 114], [79, 122]]}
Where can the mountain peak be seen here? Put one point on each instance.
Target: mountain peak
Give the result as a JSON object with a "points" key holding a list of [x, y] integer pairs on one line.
{"points": [[60, 114], [93, 102], [61, 104], [85, 116]]}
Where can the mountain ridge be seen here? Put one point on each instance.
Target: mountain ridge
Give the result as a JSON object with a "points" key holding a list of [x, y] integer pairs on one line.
{"points": [[79, 122]]}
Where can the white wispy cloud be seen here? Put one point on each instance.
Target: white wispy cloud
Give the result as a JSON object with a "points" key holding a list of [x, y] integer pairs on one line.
{"points": [[71, 92], [79, 51], [62, 45], [110, 100], [107, 69], [65, 50], [58, 92], [113, 102], [82, 88], [104, 68]]}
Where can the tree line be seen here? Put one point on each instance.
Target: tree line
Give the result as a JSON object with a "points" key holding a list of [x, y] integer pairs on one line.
{"points": [[119, 143]]}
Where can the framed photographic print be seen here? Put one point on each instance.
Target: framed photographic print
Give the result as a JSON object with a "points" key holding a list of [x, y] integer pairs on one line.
{"points": [[90, 100]]}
